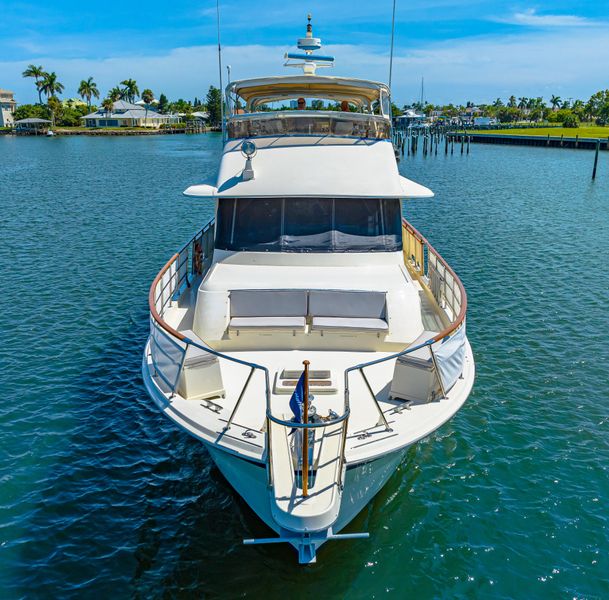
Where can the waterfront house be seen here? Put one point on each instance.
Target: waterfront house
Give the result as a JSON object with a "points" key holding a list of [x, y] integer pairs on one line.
{"points": [[7, 108], [125, 114], [32, 126], [409, 118]]}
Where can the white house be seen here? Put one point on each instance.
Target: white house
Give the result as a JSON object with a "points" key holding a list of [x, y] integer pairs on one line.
{"points": [[7, 108], [125, 114]]}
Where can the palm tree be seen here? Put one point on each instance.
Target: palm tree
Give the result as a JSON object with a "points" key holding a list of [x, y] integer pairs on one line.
{"points": [[36, 73], [50, 86], [512, 102], [555, 101], [115, 94], [147, 97], [131, 90], [522, 102], [87, 89], [498, 103], [107, 105]]}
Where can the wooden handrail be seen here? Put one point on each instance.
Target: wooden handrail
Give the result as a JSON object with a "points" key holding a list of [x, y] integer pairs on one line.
{"points": [[461, 316], [152, 302]]}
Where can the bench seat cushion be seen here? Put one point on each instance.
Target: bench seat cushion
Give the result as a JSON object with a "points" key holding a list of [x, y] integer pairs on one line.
{"points": [[268, 303], [296, 323], [349, 324], [347, 304]]}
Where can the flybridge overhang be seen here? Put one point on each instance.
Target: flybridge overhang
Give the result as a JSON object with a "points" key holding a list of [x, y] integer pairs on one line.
{"points": [[322, 169], [269, 89]]}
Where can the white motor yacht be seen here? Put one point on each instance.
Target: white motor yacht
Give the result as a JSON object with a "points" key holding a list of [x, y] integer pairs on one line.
{"points": [[308, 335]]}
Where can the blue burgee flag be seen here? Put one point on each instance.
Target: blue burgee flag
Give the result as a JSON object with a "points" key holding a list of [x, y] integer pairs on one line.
{"points": [[297, 400]]}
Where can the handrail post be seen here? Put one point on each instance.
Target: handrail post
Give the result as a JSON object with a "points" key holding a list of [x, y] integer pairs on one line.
{"points": [[383, 420], [305, 440], [232, 415]]}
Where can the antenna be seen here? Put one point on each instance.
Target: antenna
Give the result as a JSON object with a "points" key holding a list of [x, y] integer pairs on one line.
{"points": [[220, 69], [308, 45], [391, 53]]}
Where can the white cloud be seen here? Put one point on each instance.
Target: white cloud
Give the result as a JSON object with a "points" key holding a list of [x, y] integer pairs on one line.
{"points": [[478, 69], [530, 18]]}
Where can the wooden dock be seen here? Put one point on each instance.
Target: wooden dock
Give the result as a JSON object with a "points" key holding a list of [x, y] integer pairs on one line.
{"points": [[531, 140]]}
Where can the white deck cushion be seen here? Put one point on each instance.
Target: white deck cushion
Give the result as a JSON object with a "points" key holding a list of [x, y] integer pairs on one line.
{"points": [[338, 303], [349, 323], [267, 323], [196, 355], [268, 303]]}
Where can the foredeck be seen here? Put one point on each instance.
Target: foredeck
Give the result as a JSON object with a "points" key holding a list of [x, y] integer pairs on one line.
{"points": [[361, 377], [367, 435]]}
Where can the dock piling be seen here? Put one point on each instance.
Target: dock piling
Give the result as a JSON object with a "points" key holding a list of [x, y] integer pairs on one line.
{"points": [[598, 145]]}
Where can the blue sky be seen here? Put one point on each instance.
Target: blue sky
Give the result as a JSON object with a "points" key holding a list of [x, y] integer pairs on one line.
{"points": [[466, 50]]}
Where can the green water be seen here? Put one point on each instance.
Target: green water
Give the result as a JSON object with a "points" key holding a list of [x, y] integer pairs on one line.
{"points": [[101, 497]]}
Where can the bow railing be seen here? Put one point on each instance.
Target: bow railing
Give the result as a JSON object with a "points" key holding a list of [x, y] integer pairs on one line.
{"points": [[442, 287]]}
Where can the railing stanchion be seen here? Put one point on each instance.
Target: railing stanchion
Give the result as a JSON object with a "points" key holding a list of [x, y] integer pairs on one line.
{"points": [[232, 415], [305, 439], [376, 402]]}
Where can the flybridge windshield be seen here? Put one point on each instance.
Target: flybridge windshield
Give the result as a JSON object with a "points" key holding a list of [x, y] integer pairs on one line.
{"points": [[309, 225]]}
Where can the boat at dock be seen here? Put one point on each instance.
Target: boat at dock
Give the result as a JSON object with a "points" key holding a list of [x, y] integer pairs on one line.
{"points": [[308, 335]]}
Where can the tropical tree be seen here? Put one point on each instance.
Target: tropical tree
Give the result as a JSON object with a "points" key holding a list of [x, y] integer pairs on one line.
{"points": [[555, 102], [55, 107], [50, 86], [163, 104], [115, 94], [522, 102], [512, 102], [578, 109], [213, 102], [37, 73], [147, 97], [108, 105], [88, 89], [131, 91], [498, 103]]}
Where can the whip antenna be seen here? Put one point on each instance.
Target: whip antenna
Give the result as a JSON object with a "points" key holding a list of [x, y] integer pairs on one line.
{"points": [[220, 69], [391, 52]]}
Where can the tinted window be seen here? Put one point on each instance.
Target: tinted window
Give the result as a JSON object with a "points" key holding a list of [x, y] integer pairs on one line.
{"points": [[358, 217], [309, 225]]}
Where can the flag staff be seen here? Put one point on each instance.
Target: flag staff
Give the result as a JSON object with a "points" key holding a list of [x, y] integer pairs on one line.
{"points": [[305, 441]]}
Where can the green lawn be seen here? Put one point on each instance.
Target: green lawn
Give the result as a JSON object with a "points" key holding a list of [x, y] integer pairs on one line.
{"points": [[592, 131]]}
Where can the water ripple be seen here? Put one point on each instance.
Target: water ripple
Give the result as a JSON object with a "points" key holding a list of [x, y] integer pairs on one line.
{"points": [[100, 496]]}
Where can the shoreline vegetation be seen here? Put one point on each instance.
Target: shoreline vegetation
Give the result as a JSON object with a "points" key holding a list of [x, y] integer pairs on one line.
{"points": [[66, 116], [516, 116]]}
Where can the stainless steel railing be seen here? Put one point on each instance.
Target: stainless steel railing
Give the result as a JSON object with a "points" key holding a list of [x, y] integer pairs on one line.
{"points": [[443, 287]]}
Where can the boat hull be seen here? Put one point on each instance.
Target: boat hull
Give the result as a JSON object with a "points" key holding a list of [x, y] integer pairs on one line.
{"points": [[362, 482]]}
